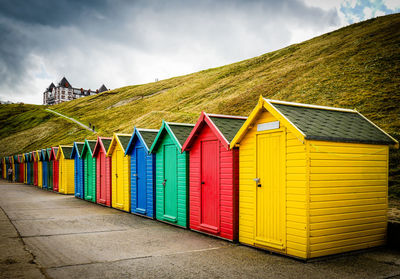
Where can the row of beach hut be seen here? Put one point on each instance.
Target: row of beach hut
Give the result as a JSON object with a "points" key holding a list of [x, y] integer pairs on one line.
{"points": [[300, 180]]}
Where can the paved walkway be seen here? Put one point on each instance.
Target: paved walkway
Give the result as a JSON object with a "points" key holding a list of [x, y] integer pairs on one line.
{"points": [[49, 235], [72, 119]]}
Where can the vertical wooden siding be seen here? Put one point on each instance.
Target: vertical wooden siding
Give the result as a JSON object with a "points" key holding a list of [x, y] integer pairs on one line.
{"points": [[56, 175], [227, 188], [182, 182], [70, 176], [66, 176], [35, 173], [150, 171], [296, 217], [40, 174], [89, 177], [348, 196], [106, 187], [123, 171], [78, 176]]}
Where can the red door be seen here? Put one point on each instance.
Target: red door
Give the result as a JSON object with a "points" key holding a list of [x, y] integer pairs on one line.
{"points": [[35, 174], [209, 186], [101, 168], [55, 175]]}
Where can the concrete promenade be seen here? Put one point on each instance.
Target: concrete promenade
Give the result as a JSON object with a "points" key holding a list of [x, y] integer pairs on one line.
{"points": [[49, 235]]}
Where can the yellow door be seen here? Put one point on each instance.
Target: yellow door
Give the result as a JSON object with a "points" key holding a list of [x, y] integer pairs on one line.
{"points": [[119, 179], [40, 182], [61, 188], [270, 194]]}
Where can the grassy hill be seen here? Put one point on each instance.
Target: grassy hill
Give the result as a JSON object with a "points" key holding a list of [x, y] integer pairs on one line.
{"points": [[25, 128], [354, 67]]}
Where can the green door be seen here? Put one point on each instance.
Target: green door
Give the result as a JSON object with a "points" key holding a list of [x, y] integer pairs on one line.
{"points": [[90, 187], [50, 175], [170, 183]]}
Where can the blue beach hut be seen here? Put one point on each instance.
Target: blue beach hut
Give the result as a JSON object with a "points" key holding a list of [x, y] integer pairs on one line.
{"points": [[142, 171], [79, 169]]}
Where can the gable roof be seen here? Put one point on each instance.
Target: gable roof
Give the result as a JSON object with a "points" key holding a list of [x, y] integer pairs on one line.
{"points": [[36, 156], [146, 136], [310, 122], [88, 146], [121, 139], [178, 132], [65, 151], [224, 127], [43, 155], [64, 83], [102, 88], [101, 143], [53, 153], [48, 151], [76, 149]]}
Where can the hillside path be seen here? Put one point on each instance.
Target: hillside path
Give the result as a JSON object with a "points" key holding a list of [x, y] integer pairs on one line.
{"points": [[73, 120], [47, 235]]}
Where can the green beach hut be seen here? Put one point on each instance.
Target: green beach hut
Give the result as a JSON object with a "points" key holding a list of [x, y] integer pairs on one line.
{"points": [[89, 173], [172, 173]]}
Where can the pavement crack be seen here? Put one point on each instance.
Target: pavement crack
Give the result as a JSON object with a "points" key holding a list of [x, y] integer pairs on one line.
{"points": [[75, 233], [101, 262], [41, 269]]}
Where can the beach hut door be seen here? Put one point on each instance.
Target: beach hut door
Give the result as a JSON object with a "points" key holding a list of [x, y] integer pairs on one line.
{"points": [[102, 177], [209, 186], [119, 187], [269, 184], [140, 180], [170, 183]]}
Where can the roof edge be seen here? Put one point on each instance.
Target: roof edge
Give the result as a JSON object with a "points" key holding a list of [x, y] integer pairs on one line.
{"points": [[396, 143], [308, 105]]}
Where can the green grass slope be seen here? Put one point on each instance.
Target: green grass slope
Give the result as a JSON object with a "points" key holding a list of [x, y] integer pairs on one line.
{"points": [[354, 67], [25, 128]]}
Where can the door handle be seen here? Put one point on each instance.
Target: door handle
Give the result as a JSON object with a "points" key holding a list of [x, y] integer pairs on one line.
{"points": [[164, 182], [203, 182], [257, 180]]}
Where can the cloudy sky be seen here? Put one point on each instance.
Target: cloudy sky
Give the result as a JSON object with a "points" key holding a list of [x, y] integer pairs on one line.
{"points": [[122, 42]]}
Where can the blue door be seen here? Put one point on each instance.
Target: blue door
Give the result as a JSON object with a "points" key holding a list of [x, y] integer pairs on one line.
{"points": [[141, 180], [78, 177], [44, 174]]}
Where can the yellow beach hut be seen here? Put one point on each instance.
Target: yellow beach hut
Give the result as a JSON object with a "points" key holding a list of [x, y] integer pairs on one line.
{"points": [[120, 172], [39, 168], [313, 180], [66, 170]]}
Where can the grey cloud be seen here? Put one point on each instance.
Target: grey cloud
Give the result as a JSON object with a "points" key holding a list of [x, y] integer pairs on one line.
{"points": [[74, 36]]}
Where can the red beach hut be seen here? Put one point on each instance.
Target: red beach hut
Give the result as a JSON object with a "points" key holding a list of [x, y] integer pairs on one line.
{"points": [[103, 171], [213, 175], [54, 161], [21, 168]]}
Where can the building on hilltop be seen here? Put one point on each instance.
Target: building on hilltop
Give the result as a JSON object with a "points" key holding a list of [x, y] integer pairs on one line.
{"points": [[64, 92]]}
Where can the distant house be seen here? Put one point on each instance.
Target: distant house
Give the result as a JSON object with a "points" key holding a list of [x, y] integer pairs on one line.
{"points": [[64, 92]]}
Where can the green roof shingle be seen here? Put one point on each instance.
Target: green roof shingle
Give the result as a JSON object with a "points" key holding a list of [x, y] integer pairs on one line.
{"points": [[148, 136], [333, 125], [181, 131], [79, 146], [227, 125], [124, 140], [67, 150], [92, 144], [106, 143]]}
